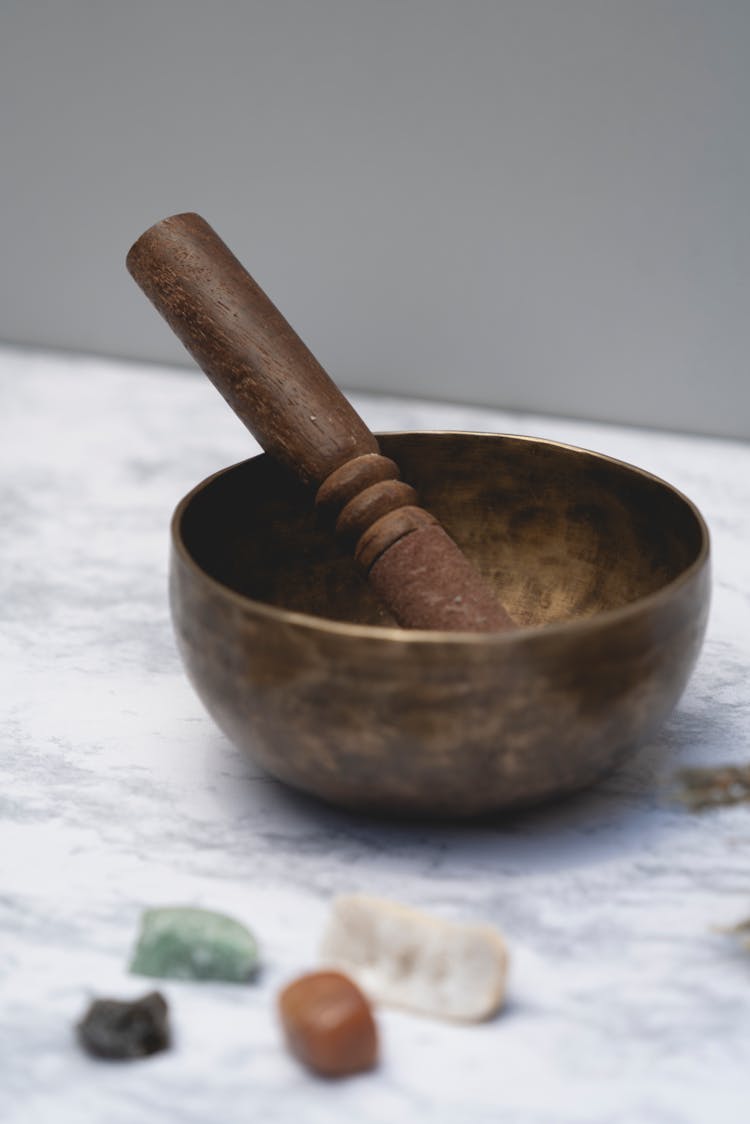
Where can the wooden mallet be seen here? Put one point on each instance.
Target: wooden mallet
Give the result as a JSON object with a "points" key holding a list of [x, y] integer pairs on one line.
{"points": [[299, 416]]}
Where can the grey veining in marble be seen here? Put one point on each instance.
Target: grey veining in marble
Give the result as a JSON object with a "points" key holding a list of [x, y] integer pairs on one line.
{"points": [[625, 1004]]}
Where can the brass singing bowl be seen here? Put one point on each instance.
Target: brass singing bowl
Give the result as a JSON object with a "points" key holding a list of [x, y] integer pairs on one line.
{"points": [[604, 566]]}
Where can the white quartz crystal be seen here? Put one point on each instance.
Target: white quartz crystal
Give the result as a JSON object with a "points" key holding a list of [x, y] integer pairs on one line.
{"points": [[404, 958]]}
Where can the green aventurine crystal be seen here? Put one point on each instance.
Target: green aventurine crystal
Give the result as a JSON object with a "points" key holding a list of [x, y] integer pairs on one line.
{"points": [[194, 944]]}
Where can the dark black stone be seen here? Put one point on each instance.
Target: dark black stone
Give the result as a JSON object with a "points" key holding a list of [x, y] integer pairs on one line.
{"points": [[113, 1028]]}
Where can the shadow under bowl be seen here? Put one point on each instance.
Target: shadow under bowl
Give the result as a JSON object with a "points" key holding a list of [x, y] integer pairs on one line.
{"points": [[605, 567]]}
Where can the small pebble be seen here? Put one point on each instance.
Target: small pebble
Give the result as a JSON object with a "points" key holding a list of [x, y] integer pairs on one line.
{"points": [[740, 930], [328, 1024], [115, 1028], [714, 786], [404, 958], [194, 944]]}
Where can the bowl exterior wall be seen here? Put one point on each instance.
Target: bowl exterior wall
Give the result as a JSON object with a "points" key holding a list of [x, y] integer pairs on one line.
{"points": [[455, 726]]}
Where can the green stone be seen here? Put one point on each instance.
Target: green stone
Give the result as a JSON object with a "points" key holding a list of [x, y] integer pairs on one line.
{"points": [[181, 943]]}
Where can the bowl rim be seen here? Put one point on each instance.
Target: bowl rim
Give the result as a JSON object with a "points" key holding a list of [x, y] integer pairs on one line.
{"points": [[441, 636]]}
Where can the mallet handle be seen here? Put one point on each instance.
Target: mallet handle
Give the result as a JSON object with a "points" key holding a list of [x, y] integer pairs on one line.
{"points": [[299, 416]]}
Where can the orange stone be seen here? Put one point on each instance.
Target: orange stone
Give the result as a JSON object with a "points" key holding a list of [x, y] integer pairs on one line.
{"points": [[328, 1024]]}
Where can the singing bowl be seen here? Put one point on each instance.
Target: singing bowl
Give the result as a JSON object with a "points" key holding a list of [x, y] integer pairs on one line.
{"points": [[604, 567]]}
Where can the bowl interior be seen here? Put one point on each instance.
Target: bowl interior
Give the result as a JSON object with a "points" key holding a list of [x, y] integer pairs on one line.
{"points": [[560, 532]]}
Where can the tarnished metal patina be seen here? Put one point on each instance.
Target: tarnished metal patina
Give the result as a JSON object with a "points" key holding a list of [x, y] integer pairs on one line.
{"points": [[605, 566]]}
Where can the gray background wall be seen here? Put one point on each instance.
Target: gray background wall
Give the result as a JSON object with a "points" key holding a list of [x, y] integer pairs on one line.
{"points": [[537, 204]]}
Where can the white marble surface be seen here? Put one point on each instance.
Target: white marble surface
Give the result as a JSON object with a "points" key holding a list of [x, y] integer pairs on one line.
{"points": [[118, 792]]}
